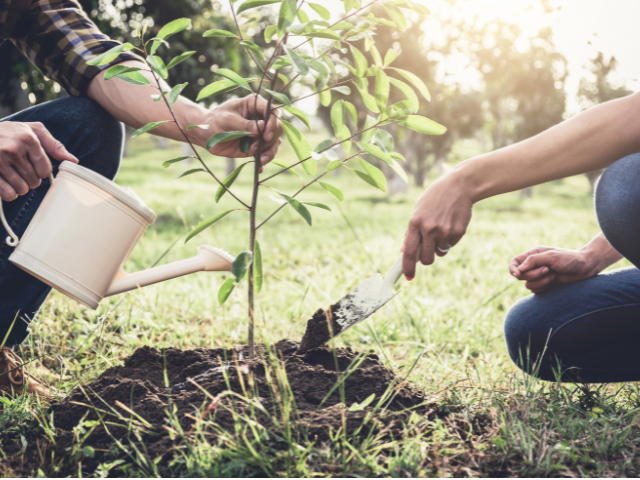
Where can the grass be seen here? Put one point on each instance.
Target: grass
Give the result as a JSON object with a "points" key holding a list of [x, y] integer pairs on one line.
{"points": [[450, 319]]}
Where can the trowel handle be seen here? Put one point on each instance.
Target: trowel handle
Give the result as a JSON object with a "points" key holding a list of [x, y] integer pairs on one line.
{"points": [[395, 272]]}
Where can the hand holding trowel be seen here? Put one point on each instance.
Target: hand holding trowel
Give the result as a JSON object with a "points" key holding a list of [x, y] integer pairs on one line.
{"points": [[360, 303]]}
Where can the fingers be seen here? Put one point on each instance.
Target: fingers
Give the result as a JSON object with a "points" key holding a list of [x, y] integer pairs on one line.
{"points": [[534, 275], [48, 144], [541, 284], [270, 153], [410, 250], [7, 193], [537, 260], [15, 181]]}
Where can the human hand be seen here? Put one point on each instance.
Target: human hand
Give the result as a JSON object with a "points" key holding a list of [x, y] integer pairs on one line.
{"points": [[23, 157], [440, 219], [239, 115], [542, 267]]}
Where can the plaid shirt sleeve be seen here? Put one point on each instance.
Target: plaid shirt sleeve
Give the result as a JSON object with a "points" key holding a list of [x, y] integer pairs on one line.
{"points": [[58, 37]]}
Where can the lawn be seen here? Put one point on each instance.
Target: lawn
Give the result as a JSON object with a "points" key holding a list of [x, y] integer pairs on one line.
{"points": [[449, 319]]}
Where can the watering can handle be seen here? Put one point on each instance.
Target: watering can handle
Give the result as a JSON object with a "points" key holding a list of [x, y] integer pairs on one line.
{"points": [[13, 240]]}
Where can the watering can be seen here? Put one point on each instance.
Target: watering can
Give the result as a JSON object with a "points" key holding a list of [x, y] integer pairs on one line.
{"points": [[84, 231]]}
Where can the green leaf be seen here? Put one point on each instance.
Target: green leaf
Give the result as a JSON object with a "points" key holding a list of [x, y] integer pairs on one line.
{"points": [[253, 47], [376, 56], [376, 152], [329, 63], [222, 137], [221, 86], [88, 451], [353, 113], [356, 407], [249, 4], [157, 97], [147, 127], [257, 268], [397, 16], [107, 57], [135, 78], [384, 140], [318, 205], [193, 127], [400, 171], [401, 109], [337, 116], [241, 264], [300, 145], [174, 27], [117, 70], [203, 225], [225, 290], [344, 136], [389, 57], [300, 115], [175, 93], [281, 63], [320, 10], [421, 125], [415, 81], [336, 192], [227, 182], [325, 97], [343, 89], [283, 164], [368, 100], [280, 97], [360, 62], [245, 144], [368, 132], [323, 145], [324, 34], [286, 16], [179, 59], [233, 76], [351, 4], [334, 165], [382, 90], [175, 160], [406, 90], [219, 33], [372, 176], [158, 66], [298, 62], [298, 207], [302, 16], [269, 32], [190, 172], [397, 156]]}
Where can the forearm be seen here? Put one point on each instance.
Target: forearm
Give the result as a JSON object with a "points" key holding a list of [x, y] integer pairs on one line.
{"points": [[600, 253], [133, 105], [589, 141]]}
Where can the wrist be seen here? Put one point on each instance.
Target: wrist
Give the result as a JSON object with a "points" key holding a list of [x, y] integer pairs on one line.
{"points": [[193, 114], [465, 175], [599, 254]]}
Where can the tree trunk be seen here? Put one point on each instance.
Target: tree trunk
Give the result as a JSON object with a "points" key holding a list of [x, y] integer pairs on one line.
{"points": [[230, 165]]}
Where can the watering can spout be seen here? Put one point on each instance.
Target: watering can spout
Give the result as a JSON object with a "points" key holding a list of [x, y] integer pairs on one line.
{"points": [[208, 259]]}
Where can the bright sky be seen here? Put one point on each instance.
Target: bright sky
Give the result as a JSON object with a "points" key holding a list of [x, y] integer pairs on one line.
{"points": [[614, 23]]}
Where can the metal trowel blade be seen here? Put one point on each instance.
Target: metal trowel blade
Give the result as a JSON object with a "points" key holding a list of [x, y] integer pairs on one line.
{"points": [[361, 303]]}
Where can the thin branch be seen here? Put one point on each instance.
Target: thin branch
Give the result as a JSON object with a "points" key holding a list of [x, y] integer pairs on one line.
{"points": [[235, 19], [324, 149], [292, 196], [318, 93], [193, 148]]}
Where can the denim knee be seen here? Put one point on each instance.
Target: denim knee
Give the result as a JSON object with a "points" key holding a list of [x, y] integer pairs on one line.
{"points": [[525, 332], [617, 203]]}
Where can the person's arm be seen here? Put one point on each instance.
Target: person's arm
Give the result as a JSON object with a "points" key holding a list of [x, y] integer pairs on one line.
{"points": [[133, 105], [589, 141], [541, 267]]}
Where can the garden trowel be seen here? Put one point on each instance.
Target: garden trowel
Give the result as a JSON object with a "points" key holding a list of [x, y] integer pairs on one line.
{"points": [[360, 303]]}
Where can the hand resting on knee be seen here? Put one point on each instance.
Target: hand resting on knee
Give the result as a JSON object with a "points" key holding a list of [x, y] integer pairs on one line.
{"points": [[543, 267]]}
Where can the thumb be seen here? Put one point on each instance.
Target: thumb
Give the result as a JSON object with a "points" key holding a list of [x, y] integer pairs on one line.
{"points": [[254, 127], [537, 260], [52, 146]]}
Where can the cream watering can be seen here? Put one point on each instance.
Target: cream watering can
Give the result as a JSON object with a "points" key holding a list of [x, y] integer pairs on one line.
{"points": [[84, 231]]}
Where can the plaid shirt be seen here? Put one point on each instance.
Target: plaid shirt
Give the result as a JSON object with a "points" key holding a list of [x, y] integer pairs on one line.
{"points": [[57, 37]]}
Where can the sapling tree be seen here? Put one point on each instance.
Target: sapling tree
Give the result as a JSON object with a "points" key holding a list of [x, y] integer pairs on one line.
{"points": [[301, 48]]}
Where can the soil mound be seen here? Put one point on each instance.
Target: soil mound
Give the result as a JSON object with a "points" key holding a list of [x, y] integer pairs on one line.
{"points": [[322, 386]]}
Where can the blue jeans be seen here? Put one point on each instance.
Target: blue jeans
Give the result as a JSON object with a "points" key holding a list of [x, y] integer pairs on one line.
{"points": [[589, 331], [90, 133]]}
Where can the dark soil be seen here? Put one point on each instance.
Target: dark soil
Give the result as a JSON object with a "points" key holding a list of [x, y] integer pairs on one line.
{"points": [[320, 328], [141, 386]]}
